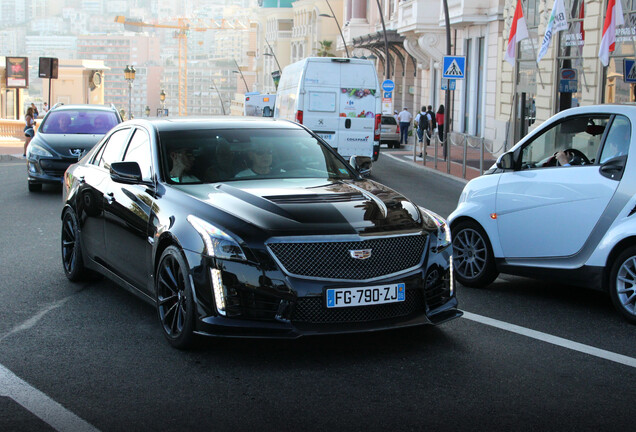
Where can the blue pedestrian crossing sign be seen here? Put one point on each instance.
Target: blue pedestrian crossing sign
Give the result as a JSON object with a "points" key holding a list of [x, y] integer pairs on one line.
{"points": [[454, 67], [629, 71]]}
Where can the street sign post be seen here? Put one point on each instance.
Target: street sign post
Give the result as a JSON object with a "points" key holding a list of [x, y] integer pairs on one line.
{"points": [[387, 96], [454, 67], [388, 85], [448, 84]]}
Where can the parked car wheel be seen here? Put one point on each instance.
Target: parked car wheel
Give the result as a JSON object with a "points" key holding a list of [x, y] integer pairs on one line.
{"points": [[473, 260], [175, 305], [622, 284], [71, 248], [35, 187]]}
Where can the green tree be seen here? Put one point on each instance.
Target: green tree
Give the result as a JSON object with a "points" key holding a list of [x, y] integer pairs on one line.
{"points": [[325, 47]]}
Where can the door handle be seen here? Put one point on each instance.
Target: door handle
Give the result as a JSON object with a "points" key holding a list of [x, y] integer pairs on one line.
{"points": [[347, 123], [110, 197]]}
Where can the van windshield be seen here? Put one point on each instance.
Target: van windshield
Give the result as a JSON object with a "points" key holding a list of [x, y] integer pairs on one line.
{"points": [[223, 155]]}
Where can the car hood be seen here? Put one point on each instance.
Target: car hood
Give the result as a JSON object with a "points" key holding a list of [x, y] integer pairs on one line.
{"points": [[62, 142], [314, 206]]}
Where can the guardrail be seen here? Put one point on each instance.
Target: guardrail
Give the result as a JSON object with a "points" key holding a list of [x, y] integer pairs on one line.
{"points": [[12, 129], [467, 150]]}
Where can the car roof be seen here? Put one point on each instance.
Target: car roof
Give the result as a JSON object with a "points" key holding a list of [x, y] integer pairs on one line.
{"points": [[80, 107], [166, 124]]}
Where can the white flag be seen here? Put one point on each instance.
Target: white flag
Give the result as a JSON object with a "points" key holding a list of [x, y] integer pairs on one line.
{"points": [[558, 21]]}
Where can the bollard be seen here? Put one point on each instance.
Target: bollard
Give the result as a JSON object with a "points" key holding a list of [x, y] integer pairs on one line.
{"points": [[435, 158], [464, 160], [481, 157], [449, 143]]}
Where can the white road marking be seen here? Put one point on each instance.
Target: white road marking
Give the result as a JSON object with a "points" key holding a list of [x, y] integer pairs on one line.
{"points": [[555, 340], [32, 399], [35, 318]]}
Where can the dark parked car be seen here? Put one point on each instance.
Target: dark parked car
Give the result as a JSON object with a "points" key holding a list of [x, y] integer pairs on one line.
{"points": [[66, 133], [252, 227]]}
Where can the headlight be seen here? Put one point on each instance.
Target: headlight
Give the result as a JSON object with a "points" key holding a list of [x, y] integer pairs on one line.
{"points": [[36, 150], [443, 231], [217, 243]]}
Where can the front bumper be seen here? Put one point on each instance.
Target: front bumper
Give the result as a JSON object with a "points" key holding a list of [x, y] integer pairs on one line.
{"points": [[268, 304], [48, 170]]}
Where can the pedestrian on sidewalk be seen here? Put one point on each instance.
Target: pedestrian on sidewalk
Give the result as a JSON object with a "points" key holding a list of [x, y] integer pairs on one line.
{"points": [[45, 108], [439, 118], [433, 122], [36, 113], [404, 117], [29, 130], [423, 122]]}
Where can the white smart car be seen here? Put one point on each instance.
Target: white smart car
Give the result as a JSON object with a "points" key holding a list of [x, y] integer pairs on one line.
{"points": [[561, 205]]}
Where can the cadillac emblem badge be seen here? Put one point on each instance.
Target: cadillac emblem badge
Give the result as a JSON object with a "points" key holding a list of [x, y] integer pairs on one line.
{"points": [[361, 254]]}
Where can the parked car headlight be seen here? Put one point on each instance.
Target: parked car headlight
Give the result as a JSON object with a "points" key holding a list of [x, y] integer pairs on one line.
{"points": [[443, 230], [36, 150], [218, 243]]}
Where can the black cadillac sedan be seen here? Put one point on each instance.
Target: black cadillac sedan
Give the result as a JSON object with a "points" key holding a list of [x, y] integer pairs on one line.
{"points": [[252, 228]]}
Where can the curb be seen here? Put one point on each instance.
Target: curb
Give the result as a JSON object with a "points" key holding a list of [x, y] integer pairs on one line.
{"points": [[10, 158]]}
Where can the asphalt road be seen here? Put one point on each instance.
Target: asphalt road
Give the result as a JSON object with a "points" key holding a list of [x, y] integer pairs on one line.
{"points": [[84, 356]]}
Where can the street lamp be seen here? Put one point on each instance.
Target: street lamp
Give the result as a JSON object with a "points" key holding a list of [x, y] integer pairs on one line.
{"points": [[333, 15], [238, 71], [129, 75], [162, 99], [218, 93], [147, 111], [271, 54]]}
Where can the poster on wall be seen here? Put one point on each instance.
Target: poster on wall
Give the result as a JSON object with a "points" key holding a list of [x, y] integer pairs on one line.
{"points": [[17, 72]]}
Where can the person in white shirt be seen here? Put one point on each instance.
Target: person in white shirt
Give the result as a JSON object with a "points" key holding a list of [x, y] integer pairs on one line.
{"points": [[45, 108], [404, 117]]}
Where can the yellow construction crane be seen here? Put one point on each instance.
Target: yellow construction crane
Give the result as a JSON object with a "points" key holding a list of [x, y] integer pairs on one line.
{"points": [[182, 27]]}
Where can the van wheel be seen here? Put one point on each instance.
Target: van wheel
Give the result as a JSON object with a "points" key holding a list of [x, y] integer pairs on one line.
{"points": [[473, 260], [622, 284]]}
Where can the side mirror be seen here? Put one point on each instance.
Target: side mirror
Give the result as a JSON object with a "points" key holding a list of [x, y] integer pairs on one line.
{"points": [[362, 164], [506, 161], [126, 172]]}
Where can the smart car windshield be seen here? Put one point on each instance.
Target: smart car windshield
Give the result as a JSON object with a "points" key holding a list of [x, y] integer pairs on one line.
{"points": [[79, 122], [222, 155]]}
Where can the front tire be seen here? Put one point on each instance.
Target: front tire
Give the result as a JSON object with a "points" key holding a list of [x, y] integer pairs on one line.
{"points": [[175, 304], [473, 260], [622, 284], [72, 260]]}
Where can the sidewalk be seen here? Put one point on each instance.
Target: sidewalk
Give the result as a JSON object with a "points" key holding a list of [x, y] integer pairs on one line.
{"points": [[10, 149], [405, 153]]}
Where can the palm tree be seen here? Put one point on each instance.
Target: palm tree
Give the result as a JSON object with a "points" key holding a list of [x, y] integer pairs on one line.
{"points": [[325, 47]]}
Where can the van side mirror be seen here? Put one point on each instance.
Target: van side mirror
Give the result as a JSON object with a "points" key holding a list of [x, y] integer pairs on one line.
{"points": [[506, 161], [362, 164]]}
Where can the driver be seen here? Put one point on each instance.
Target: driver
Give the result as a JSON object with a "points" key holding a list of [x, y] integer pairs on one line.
{"points": [[259, 159], [568, 157]]}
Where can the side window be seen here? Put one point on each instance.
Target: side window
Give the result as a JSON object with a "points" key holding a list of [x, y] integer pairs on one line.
{"points": [[618, 139], [580, 137], [139, 151], [114, 148]]}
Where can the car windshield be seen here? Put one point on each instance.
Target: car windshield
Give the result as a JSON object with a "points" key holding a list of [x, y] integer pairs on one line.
{"points": [[78, 122], [222, 155]]}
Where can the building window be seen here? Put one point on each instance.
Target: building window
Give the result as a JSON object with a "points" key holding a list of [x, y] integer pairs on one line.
{"points": [[616, 90]]}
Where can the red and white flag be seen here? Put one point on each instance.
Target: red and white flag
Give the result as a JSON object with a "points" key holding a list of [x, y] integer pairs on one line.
{"points": [[613, 19], [518, 32]]}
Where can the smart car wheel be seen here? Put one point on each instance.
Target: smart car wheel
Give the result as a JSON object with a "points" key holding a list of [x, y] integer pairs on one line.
{"points": [[175, 304], [71, 248], [473, 260], [623, 284]]}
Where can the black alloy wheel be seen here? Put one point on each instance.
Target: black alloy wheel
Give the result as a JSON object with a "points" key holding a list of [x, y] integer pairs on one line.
{"points": [[473, 260], [622, 284], [175, 304], [71, 248]]}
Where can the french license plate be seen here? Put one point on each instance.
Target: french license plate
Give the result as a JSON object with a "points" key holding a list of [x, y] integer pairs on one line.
{"points": [[364, 296], [385, 130], [326, 137]]}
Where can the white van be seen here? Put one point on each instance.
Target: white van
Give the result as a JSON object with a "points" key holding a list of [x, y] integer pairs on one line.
{"points": [[259, 105], [337, 98]]}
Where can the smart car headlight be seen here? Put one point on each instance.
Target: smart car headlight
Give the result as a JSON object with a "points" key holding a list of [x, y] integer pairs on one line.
{"points": [[36, 150], [443, 231], [217, 242]]}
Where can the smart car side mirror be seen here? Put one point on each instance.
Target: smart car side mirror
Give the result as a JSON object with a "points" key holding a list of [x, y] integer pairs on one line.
{"points": [[506, 161], [126, 172], [362, 164]]}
